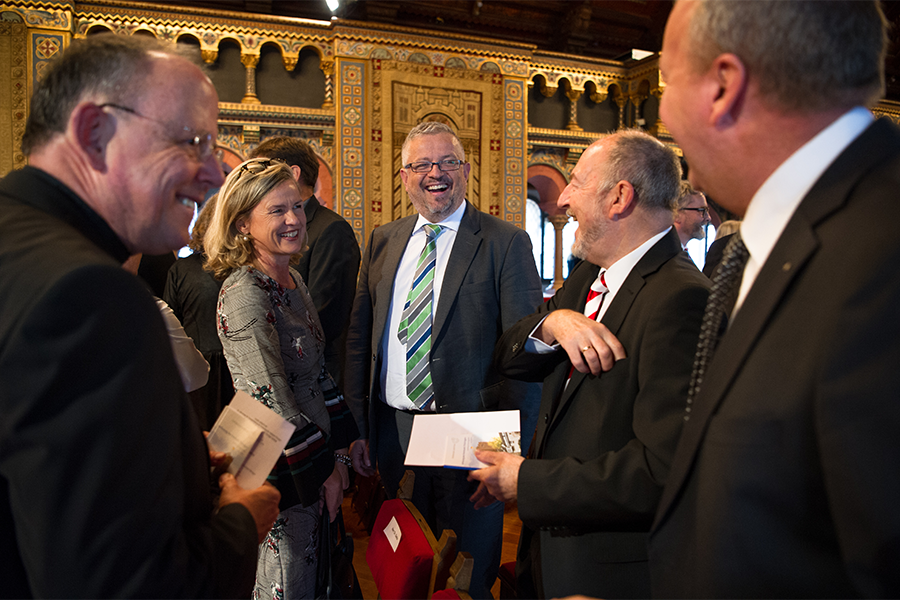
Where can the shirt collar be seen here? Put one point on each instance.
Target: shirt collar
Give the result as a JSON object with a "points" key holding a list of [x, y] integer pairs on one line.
{"points": [[618, 272], [775, 201], [451, 222]]}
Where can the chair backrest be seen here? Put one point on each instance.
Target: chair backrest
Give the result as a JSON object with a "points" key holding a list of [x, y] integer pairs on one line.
{"points": [[405, 558], [459, 581]]}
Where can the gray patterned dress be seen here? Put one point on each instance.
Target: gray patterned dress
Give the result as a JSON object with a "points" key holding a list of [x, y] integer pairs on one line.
{"points": [[274, 346]]}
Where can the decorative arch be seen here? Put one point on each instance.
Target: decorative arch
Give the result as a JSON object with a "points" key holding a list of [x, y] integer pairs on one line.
{"points": [[549, 182]]}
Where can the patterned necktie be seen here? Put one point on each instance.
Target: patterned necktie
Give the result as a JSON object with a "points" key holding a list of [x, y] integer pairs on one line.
{"points": [[415, 328], [725, 288]]}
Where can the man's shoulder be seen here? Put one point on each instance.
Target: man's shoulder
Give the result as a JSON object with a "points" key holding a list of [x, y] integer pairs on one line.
{"points": [[491, 225]]}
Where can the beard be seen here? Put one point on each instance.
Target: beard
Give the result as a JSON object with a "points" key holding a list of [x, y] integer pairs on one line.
{"points": [[585, 239]]}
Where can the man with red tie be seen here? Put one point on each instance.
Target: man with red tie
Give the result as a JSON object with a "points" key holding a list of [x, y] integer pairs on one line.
{"points": [[630, 310]]}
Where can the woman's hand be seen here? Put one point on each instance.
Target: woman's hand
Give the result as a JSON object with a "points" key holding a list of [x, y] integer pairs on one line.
{"points": [[333, 490]]}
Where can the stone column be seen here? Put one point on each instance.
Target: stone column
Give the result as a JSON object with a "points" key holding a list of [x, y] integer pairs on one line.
{"points": [[559, 221], [250, 61]]}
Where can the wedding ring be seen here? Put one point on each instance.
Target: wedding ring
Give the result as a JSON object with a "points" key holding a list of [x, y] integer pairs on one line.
{"points": [[585, 349]]}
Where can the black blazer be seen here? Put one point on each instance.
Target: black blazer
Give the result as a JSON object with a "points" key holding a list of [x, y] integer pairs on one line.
{"points": [[329, 267], [785, 480], [603, 452], [104, 472]]}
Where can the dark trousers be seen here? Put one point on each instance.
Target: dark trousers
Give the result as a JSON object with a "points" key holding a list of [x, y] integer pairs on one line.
{"points": [[442, 496]]}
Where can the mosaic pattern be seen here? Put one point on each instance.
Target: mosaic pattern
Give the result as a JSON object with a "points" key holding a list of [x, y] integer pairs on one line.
{"points": [[514, 146], [351, 123]]}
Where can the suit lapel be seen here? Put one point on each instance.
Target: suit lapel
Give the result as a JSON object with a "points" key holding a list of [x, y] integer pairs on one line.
{"points": [[312, 205], [661, 252], [796, 246], [468, 239], [395, 246]]}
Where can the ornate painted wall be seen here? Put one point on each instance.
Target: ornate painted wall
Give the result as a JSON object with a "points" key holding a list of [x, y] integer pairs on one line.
{"points": [[379, 82]]}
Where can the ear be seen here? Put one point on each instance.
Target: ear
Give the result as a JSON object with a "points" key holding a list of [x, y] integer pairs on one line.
{"points": [[466, 168], [403, 177], [92, 129], [622, 203], [296, 171], [730, 76], [242, 225]]}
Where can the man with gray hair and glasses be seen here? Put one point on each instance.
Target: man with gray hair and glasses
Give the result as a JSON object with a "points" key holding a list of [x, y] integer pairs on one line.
{"points": [[784, 483], [105, 484], [426, 347]]}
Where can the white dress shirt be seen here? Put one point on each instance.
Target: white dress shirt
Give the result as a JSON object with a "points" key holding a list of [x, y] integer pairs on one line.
{"points": [[615, 276], [393, 368], [775, 201]]}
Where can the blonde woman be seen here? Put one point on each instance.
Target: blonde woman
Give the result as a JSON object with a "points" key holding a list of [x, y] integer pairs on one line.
{"points": [[274, 346]]}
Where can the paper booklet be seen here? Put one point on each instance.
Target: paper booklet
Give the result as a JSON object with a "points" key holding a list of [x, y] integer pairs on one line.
{"points": [[449, 440], [253, 435]]}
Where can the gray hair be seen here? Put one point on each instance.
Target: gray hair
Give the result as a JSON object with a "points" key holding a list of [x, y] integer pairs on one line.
{"points": [[106, 67], [650, 166], [431, 128], [805, 55]]}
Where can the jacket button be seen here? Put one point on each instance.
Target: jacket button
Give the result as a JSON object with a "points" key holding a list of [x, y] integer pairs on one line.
{"points": [[546, 418]]}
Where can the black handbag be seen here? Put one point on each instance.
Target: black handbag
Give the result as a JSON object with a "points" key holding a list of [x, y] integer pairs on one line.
{"points": [[335, 577]]}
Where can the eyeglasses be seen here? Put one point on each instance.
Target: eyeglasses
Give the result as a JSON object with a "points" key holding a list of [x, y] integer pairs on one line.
{"points": [[703, 210], [202, 145], [425, 166]]}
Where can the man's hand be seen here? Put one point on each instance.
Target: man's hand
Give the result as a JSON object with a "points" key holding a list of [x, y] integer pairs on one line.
{"points": [[590, 345], [499, 481], [359, 454], [261, 502]]}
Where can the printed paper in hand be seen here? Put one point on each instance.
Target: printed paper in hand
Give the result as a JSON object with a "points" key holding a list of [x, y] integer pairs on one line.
{"points": [[449, 440], [254, 436]]}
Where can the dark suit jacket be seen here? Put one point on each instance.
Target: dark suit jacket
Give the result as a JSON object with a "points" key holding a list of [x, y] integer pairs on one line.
{"points": [[490, 283], [329, 267], [785, 482], [104, 472], [602, 454], [714, 255]]}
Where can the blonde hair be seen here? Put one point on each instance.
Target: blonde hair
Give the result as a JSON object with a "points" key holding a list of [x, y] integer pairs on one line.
{"points": [[227, 248]]}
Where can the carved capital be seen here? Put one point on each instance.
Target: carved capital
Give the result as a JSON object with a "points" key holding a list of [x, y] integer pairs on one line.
{"points": [[250, 60], [559, 220], [598, 97], [209, 56], [327, 67], [290, 62], [548, 91]]}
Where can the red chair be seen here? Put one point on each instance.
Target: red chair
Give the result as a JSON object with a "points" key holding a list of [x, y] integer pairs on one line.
{"points": [[419, 564], [507, 577]]}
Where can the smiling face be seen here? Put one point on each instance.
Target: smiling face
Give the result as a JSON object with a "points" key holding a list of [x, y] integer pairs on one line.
{"points": [[435, 194], [580, 200], [277, 225], [690, 222], [156, 176]]}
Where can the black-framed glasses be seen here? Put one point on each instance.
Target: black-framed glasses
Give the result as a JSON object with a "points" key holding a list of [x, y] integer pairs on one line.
{"points": [[703, 210], [203, 145], [425, 165]]}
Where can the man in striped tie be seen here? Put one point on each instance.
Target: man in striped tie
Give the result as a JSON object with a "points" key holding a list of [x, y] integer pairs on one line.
{"points": [[614, 348], [436, 290]]}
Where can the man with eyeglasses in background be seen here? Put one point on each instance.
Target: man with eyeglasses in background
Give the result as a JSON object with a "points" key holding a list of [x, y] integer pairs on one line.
{"points": [[691, 215], [104, 471], [474, 277]]}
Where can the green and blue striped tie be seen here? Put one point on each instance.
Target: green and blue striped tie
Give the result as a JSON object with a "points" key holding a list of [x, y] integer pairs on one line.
{"points": [[415, 328]]}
